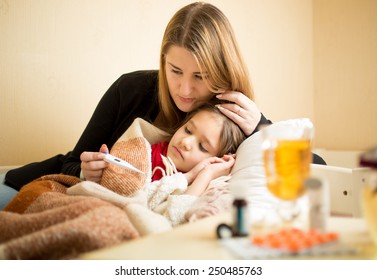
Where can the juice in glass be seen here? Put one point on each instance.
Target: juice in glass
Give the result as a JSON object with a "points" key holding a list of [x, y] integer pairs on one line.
{"points": [[287, 166]]}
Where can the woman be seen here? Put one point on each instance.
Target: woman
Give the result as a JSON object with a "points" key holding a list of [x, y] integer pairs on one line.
{"points": [[200, 59]]}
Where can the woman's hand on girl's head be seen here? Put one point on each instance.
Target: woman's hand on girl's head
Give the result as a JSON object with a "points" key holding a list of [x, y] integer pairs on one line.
{"points": [[92, 164], [240, 109]]}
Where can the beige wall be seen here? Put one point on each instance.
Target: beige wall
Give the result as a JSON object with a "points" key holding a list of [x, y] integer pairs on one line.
{"points": [[345, 73], [57, 58]]}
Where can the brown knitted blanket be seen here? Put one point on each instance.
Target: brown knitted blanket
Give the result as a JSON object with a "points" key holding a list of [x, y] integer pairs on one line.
{"points": [[60, 217], [42, 222]]}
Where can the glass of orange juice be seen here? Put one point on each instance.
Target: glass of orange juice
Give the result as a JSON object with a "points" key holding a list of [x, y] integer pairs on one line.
{"points": [[287, 155]]}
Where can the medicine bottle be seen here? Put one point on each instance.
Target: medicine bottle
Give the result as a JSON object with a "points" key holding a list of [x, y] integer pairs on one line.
{"points": [[240, 226]]}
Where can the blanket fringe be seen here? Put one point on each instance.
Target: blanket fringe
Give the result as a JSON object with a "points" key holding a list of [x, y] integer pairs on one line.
{"points": [[169, 166]]}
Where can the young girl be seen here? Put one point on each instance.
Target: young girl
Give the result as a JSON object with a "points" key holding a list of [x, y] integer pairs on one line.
{"points": [[204, 134], [201, 150]]}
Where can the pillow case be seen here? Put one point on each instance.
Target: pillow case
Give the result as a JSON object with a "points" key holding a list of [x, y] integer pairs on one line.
{"points": [[248, 175]]}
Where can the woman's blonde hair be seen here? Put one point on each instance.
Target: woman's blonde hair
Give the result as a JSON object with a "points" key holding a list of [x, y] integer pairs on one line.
{"points": [[231, 134], [204, 30]]}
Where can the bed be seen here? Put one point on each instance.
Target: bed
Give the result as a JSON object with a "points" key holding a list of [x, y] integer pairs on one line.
{"points": [[60, 217]]}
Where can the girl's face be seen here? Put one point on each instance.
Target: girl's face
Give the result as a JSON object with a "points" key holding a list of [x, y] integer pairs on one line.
{"points": [[187, 85], [196, 140]]}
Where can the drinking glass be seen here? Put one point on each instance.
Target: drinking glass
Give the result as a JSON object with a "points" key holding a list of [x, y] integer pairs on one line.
{"points": [[287, 156]]}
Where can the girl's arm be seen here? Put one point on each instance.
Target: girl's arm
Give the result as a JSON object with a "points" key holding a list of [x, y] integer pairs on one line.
{"points": [[211, 168]]}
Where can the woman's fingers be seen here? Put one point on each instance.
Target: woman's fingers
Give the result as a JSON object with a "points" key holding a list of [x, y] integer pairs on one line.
{"points": [[92, 165], [92, 156], [104, 149], [240, 109]]}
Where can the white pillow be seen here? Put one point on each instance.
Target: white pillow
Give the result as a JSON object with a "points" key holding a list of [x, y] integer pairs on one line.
{"points": [[249, 178]]}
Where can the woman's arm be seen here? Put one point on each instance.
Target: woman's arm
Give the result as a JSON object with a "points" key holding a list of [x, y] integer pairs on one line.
{"points": [[132, 95]]}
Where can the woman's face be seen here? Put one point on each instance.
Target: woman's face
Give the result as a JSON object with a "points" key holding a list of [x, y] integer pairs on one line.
{"points": [[196, 140], [187, 84]]}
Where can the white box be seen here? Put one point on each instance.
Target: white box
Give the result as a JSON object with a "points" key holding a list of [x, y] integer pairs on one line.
{"points": [[345, 186]]}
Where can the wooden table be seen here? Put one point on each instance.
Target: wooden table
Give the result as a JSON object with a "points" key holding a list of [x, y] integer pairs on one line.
{"points": [[198, 241]]}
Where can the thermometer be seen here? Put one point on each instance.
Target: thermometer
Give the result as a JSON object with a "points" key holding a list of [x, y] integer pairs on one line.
{"points": [[121, 163]]}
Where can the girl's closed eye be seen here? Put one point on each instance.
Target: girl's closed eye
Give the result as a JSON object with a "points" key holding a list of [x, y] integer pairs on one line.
{"points": [[187, 130], [202, 149]]}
